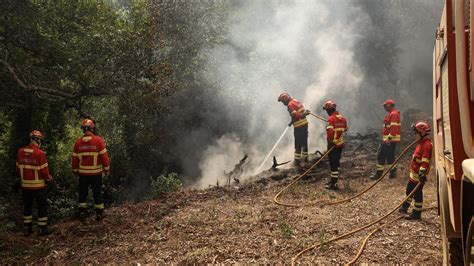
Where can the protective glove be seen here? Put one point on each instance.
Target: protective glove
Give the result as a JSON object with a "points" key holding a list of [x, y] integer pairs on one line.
{"points": [[291, 123], [423, 178], [306, 112]]}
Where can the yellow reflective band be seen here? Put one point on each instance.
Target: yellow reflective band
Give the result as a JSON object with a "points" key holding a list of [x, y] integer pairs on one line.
{"points": [[418, 204], [417, 208], [75, 154], [91, 167], [339, 116], [426, 160], [329, 127], [414, 176], [301, 122], [41, 181], [82, 204], [103, 151], [26, 166], [301, 110], [42, 219], [99, 206], [27, 221], [91, 153], [28, 217], [29, 150], [42, 223], [84, 171], [395, 124], [294, 112], [340, 129], [409, 200], [380, 167], [396, 137], [43, 166], [86, 138], [335, 172]]}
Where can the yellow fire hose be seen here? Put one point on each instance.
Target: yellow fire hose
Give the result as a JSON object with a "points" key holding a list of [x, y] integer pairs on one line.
{"points": [[275, 199], [318, 117], [376, 182], [293, 260], [364, 242]]}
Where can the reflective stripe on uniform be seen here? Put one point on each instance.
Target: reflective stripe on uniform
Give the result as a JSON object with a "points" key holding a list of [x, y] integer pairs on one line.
{"points": [[335, 174], [297, 155], [418, 206], [42, 219], [103, 151], [391, 137], [300, 122], [82, 204], [426, 160], [99, 206], [93, 171], [380, 167], [27, 219]]}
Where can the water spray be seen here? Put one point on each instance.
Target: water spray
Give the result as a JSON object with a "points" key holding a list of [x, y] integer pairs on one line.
{"points": [[274, 147]]}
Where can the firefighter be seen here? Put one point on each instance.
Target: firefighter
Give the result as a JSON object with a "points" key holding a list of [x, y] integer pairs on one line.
{"points": [[89, 161], [300, 123], [335, 129], [419, 169], [32, 168], [391, 136]]}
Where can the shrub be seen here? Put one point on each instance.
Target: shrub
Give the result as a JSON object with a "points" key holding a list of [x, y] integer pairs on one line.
{"points": [[165, 183]]}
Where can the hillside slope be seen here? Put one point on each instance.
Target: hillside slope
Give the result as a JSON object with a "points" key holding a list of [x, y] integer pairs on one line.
{"points": [[242, 224]]}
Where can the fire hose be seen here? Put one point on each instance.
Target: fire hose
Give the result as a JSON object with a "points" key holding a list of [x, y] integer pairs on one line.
{"points": [[364, 242], [275, 199], [293, 260], [376, 182]]}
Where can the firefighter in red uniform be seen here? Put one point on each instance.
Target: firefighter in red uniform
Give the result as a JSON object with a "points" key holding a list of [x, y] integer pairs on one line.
{"points": [[335, 129], [300, 123], [391, 136], [89, 161], [32, 168], [419, 169]]}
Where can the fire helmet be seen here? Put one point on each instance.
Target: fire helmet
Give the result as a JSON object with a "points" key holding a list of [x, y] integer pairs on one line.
{"points": [[421, 127], [389, 102], [87, 123], [328, 105], [284, 97], [36, 134]]}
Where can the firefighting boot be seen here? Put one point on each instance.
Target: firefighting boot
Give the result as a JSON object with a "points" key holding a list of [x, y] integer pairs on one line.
{"points": [[332, 184], [28, 229], [404, 208], [376, 175], [296, 163], [415, 215], [81, 214], [393, 173], [99, 215], [44, 230]]}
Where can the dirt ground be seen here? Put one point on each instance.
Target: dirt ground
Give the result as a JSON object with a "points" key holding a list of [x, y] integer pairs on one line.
{"points": [[241, 224]]}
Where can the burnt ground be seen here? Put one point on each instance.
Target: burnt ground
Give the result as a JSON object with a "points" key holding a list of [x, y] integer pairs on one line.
{"points": [[242, 224]]}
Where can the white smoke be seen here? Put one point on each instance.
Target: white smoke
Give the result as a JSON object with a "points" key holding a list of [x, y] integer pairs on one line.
{"points": [[304, 48]]}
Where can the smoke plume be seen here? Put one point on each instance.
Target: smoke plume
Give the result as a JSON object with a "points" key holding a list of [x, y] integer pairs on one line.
{"points": [[357, 53]]}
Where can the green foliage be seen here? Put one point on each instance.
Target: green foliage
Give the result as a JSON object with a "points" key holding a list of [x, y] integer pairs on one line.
{"points": [[285, 228], [118, 63], [165, 183]]}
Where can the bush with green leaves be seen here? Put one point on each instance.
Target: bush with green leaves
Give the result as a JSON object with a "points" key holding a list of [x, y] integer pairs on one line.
{"points": [[165, 183]]}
